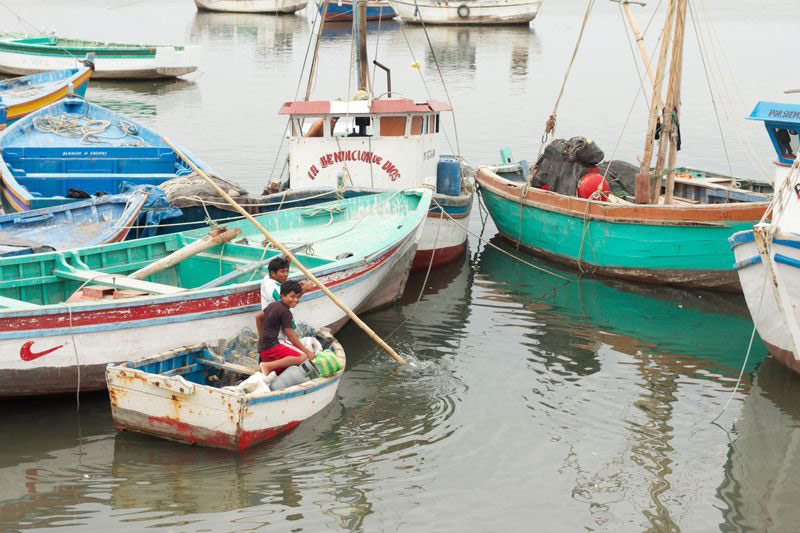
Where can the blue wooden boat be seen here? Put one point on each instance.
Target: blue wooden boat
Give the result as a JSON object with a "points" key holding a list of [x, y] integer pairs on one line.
{"points": [[98, 220], [24, 95], [72, 148], [340, 11]]}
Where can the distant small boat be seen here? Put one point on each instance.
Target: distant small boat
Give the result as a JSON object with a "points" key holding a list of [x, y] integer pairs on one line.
{"points": [[98, 220], [252, 6], [112, 60], [21, 96], [475, 12], [176, 395], [342, 10], [77, 149]]}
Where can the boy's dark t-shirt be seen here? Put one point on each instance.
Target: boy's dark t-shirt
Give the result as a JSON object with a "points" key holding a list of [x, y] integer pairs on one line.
{"points": [[277, 317]]}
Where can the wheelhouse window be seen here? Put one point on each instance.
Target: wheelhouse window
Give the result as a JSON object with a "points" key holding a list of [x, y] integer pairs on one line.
{"points": [[393, 126], [352, 126], [788, 142]]}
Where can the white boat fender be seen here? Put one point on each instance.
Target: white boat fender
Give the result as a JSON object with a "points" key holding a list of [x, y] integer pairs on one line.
{"points": [[463, 11], [295, 375], [258, 383]]}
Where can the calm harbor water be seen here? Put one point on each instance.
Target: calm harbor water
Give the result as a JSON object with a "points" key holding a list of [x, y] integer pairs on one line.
{"points": [[531, 402]]}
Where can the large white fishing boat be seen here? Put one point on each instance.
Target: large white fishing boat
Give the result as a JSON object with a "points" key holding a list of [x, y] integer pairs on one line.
{"points": [[385, 143], [768, 256]]}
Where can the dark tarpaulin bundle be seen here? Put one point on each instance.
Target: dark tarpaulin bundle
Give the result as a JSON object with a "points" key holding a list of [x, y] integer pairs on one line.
{"points": [[621, 177], [156, 209], [564, 162]]}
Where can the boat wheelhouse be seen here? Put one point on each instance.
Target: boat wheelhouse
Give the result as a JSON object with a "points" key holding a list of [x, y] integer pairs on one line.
{"points": [[383, 144], [375, 143], [782, 122]]}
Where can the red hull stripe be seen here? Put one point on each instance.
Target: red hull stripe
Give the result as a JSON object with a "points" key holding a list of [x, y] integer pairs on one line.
{"points": [[177, 305], [443, 255]]}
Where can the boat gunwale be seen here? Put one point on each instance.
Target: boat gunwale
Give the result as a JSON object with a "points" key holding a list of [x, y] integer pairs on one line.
{"points": [[300, 389], [235, 289], [644, 214]]}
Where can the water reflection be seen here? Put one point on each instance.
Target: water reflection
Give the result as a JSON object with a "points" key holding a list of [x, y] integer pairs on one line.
{"points": [[329, 472], [762, 473], [628, 353]]}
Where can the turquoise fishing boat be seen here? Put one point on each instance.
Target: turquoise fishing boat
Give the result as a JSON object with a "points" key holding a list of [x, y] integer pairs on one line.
{"points": [[666, 224], [74, 149], [65, 315], [684, 243], [22, 96]]}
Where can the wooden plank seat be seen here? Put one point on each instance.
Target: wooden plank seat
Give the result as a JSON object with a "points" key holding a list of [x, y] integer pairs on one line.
{"points": [[116, 280]]}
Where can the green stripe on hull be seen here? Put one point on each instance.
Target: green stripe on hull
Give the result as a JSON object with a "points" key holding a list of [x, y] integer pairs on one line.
{"points": [[613, 244]]}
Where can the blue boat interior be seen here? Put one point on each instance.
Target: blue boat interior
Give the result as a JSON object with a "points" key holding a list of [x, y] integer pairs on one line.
{"points": [[76, 145], [190, 363], [16, 90], [65, 226]]}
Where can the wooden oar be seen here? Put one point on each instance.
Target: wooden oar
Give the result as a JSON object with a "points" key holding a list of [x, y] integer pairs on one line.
{"points": [[217, 236], [388, 349]]}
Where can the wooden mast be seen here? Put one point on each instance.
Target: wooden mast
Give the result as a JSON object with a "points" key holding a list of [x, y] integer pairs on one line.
{"points": [[313, 70], [673, 108], [360, 29], [643, 194]]}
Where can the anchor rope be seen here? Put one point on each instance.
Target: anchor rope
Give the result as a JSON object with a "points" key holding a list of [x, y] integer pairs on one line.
{"points": [[486, 242]]}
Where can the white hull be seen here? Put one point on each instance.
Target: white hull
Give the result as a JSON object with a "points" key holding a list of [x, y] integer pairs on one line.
{"points": [[167, 63], [169, 406], [252, 6], [92, 347], [772, 290], [469, 12]]}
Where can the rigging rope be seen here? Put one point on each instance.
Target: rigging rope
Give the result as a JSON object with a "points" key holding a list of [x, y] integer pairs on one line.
{"points": [[550, 126]]}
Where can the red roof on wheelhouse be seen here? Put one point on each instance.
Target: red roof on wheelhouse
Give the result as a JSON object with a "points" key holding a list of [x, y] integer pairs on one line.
{"points": [[391, 105]]}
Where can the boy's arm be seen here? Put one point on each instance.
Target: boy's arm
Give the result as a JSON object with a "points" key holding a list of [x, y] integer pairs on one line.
{"points": [[292, 336], [259, 323]]}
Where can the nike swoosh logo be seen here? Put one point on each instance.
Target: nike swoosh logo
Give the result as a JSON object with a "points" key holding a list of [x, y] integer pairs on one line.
{"points": [[27, 355]]}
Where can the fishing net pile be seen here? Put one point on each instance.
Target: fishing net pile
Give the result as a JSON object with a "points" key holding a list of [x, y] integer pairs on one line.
{"points": [[564, 162], [194, 191]]}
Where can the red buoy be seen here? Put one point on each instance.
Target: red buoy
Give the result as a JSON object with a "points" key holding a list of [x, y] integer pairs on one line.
{"points": [[593, 182]]}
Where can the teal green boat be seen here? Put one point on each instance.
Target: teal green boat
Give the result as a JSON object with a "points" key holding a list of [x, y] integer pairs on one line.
{"points": [[85, 308], [683, 243]]}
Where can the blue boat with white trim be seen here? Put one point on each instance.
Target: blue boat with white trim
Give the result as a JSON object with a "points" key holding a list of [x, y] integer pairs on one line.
{"points": [[74, 149]]}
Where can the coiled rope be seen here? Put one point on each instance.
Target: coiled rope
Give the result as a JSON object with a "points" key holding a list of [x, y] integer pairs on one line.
{"points": [[88, 130]]}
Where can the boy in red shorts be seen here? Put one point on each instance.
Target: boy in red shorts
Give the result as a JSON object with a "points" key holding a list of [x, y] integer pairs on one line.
{"points": [[274, 354]]}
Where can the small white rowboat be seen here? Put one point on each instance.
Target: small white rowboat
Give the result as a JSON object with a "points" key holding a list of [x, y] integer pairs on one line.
{"points": [[176, 395]]}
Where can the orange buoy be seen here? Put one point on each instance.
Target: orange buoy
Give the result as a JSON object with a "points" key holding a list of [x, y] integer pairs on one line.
{"points": [[593, 182]]}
